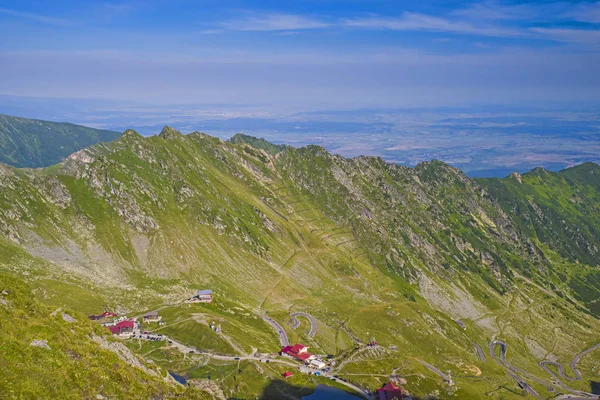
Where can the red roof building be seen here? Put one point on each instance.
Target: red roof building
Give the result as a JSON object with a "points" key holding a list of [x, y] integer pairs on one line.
{"points": [[299, 348], [287, 374], [298, 351], [105, 314], [390, 392], [122, 327]]}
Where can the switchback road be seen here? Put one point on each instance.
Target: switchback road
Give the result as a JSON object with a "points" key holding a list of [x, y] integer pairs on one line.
{"points": [[512, 370], [561, 370], [311, 319]]}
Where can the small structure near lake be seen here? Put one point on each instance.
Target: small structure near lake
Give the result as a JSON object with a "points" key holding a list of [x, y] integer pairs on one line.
{"points": [[391, 392], [123, 328], [297, 351]]}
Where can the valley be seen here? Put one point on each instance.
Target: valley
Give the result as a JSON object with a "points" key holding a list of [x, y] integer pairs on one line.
{"points": [[371, 263]]}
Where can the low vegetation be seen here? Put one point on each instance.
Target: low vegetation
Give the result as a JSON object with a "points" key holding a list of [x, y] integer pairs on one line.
{"points": [[375, 252]]}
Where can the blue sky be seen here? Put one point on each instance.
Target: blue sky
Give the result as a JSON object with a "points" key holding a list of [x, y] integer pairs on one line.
{"points": [[304, 54]]}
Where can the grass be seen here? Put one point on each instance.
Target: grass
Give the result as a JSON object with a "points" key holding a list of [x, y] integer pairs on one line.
{"points": [[74, 366]]}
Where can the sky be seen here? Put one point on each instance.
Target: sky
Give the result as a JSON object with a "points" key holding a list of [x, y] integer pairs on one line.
{"points": [[309, 54]]}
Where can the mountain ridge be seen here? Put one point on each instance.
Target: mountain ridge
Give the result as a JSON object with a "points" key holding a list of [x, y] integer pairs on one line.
{"points": [[35, 143], [366, 247]]}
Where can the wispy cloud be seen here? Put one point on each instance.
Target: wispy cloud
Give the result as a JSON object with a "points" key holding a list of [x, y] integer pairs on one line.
{"points": [[409, 21], [586, 12], [586, 36], [118, 7], [35, 17], [274, 22], [495, 11]]}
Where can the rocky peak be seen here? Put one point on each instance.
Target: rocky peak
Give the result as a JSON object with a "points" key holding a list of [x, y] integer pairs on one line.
{"points": [[516, 176], [169, 133]]}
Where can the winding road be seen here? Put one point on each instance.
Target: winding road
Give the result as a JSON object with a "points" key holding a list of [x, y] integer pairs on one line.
{"points": [[512, 370], [311, 319], [479, 351], [283, 338], [515, 370], [561, 370], [442, 375]]}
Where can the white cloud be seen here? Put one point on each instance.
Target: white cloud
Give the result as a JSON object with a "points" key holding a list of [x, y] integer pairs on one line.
{"points": [[585, 36], [274, 22], [495, 11], [586, 12], [410, 21], [34, 17]]}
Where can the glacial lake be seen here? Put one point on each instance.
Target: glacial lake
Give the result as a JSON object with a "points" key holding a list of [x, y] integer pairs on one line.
{"points": [[324, 392], [178, 378]]}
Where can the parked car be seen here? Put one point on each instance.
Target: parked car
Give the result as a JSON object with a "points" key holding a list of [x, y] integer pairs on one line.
{"points": [[237, 358]]}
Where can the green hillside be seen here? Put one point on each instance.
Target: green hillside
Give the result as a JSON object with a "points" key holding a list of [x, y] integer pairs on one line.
{"points": [[424, 261], [74, 359], [31, 143]]}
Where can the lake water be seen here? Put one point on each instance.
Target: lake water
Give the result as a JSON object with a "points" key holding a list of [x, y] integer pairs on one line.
{"points": [[324, 392], [178, 378]]}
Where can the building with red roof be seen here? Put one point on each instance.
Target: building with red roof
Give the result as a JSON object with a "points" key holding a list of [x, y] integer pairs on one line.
{"points": [[297, 351], [105, 314], [391, 392], [122, 327], [287, 374]]}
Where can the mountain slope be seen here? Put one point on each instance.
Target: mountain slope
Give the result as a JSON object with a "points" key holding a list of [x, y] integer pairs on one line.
{"points": [[562, 211], [33, 143], [371, 250], [73, 358], [261, 143]]}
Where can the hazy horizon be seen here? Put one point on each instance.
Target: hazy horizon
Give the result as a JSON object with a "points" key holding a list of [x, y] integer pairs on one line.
{"points": [[488, 86]]}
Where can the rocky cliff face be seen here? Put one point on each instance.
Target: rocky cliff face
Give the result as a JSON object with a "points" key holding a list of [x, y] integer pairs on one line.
{"points": [[403, 220]]}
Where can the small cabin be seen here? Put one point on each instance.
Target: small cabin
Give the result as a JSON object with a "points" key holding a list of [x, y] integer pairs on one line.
{"points": [[152, 317], [205, 296]]}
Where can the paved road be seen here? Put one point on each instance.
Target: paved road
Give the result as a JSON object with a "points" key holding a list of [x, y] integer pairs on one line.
{"points": [[512, 370], [188, 349], [311, 319], [283, 339], [284, 342], [573, 365], [445, 377], [480, 352]]}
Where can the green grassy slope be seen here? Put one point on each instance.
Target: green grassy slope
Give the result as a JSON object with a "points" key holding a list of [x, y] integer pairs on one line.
{"points": [[257, 143], [561, 210], [73, 366], [33, 143], [372, 250]]}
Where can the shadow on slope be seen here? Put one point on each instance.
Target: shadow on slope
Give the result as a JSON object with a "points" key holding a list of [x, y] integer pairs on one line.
{"points": [[279, 389], [595, 387]]}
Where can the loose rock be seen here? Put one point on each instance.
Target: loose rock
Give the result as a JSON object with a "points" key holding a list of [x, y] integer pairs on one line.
{"points": [[68, 318], [40, 343]]}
